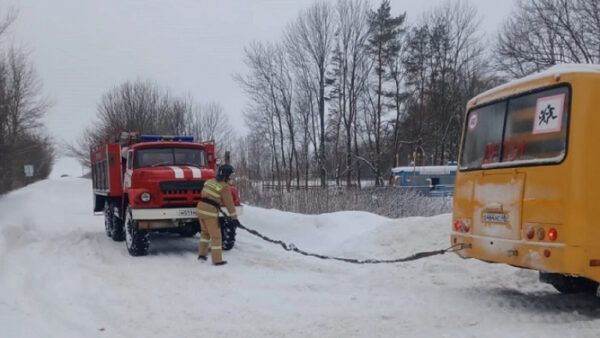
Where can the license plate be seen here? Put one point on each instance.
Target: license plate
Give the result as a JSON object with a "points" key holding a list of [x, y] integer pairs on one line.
{"points": [[187, 212], [491, 217]]}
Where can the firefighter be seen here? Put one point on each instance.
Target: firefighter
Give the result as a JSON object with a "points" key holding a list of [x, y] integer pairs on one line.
{"points": [[215, 192]]}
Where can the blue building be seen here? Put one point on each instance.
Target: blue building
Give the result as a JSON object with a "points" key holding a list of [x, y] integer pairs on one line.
{"points": [[430, 180]]}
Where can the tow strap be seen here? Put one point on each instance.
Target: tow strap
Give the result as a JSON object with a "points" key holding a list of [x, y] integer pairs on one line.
{"points": [[414, 257], [292, 247]]}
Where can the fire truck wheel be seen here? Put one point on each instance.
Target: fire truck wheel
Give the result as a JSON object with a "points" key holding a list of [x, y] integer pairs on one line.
{"points": [[118, 233], [227, 234], [189, 230], [108, 219], [136, 240]]}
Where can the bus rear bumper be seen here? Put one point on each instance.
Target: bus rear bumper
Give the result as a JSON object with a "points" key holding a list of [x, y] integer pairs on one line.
{"points": [[541, 256]]}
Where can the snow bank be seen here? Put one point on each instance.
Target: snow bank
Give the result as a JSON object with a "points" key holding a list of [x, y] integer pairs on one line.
{"points": [[60, 276]]}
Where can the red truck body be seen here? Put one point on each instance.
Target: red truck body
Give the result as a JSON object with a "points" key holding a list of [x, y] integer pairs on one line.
{"points": [[145, 183]]}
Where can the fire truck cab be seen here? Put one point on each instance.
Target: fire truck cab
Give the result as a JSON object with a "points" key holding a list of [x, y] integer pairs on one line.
{"points": [[145, 183]]}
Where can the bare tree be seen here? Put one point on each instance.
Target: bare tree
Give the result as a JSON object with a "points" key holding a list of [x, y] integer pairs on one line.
{"points": [[309, 41], [444, 65], [351, 68], [541, 33], [146, 107], [261, 85], [209, 122], [22, 106]]}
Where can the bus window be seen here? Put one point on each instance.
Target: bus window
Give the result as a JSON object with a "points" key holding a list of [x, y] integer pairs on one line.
{"points": [[536, 127], [482, 131]]}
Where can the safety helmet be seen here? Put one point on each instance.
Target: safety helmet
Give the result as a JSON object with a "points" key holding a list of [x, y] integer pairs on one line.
{"points": [[224, 171]]}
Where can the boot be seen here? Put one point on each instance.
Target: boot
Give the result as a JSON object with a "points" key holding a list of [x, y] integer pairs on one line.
{"points": [[201, 258], [220, 263]]}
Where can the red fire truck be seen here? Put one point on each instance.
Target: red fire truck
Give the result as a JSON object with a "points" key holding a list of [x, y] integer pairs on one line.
{"points": [[146, 183]]}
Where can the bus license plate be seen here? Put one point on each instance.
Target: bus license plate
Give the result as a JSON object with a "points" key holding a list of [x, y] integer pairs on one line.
{"points": [[491, 217], [187, 212]]}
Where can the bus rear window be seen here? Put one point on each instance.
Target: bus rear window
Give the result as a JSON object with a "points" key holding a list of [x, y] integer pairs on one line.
{"points": [[528, 129], [484, 127]]}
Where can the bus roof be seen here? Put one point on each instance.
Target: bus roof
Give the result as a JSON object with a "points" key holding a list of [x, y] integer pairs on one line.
{"points": [[519, 85], [427, 170]]}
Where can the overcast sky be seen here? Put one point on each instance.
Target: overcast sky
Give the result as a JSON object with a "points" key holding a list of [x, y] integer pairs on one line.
{"points": [[82, 48]]}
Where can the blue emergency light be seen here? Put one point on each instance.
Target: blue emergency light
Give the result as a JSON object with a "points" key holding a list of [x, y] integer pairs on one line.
{"points": [[184, 138], [150, 138], [155, 138]]}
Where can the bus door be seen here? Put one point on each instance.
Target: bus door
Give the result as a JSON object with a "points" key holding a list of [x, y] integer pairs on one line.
{"points": [[497, 205]]}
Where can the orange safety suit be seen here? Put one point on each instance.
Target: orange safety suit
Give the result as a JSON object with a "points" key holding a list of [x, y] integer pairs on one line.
{"points": [[208, 215]]}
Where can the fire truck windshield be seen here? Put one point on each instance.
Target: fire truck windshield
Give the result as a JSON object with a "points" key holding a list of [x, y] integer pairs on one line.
{"points": [[154, 157]]}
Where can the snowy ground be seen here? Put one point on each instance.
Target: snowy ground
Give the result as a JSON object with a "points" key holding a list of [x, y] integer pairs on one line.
{"points": [[60, 276]]}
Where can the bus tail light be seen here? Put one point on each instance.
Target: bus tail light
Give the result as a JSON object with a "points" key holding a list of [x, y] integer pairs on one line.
{"points": [[462, 226], [466, 227], [594, 262], [541, 233], [552, 234], [530, 233], [457, 225]]}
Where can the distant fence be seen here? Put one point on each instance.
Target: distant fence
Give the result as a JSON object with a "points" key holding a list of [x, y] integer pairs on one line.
{"points": [[273, 186], [313, 199]]}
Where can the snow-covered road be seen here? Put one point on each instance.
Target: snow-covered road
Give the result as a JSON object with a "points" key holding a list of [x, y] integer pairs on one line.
{"points": [[60, 276]]}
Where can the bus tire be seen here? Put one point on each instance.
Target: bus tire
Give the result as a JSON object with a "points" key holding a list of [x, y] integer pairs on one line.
{"points": [[568, 284]]}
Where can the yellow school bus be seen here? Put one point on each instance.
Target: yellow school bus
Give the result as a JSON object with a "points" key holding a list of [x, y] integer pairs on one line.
{"points": [[527, 190]]}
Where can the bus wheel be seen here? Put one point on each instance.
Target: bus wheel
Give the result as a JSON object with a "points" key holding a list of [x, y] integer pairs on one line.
{"points": [[568, 284]]}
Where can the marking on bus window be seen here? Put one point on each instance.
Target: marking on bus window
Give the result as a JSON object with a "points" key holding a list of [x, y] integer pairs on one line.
{"points": [[473, 119], [513, 151], [549, 112]]}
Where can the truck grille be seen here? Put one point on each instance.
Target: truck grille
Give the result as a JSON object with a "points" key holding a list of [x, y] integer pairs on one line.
{"points": [[181, 187]]}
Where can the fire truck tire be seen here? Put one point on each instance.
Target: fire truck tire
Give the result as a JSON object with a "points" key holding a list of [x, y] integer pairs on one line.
{"points": [[113, 225], [569, 284], [227, 234], [137, 240], [117, 232], [190, 229], [108, 219]]}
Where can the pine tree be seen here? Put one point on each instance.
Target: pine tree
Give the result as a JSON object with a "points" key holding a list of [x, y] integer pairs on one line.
{"points": [[383, 46]]}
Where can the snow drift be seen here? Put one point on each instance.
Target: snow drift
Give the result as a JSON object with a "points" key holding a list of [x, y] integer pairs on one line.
{"points": [[60, 276]]}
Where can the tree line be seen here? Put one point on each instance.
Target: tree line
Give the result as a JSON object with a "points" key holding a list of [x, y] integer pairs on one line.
{"points": [[350, 91], [145, 106], [23, 139], [347, 91]]}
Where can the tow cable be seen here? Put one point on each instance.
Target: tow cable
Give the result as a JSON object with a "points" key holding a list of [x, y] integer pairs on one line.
{"points": [[419, 255]]}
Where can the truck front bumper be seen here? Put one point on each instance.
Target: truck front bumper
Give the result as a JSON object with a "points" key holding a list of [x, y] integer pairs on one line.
{"points": [[171, 213]]}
